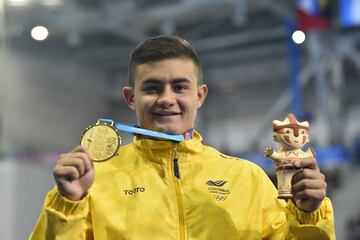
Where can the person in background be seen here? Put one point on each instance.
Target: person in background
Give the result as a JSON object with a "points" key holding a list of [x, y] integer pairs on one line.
{"points": [[159, 189]]}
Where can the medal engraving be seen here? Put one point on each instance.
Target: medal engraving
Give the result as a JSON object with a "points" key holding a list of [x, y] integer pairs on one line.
{"points": [[102, 140]]}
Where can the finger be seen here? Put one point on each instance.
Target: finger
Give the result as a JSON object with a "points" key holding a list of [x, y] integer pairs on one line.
{"points": [[80, 148], [87, 160], [69, 173], [315, 194], [307, 174], [76, 160], [308, 162], [308, 184], [84, 156]]}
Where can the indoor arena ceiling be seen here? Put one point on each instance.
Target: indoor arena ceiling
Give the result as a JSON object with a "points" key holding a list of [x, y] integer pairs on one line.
{"points": [[228, 34], [103, 31]]}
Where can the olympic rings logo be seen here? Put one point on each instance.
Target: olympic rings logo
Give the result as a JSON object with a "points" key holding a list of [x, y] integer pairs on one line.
{"points": [[220, 198]]}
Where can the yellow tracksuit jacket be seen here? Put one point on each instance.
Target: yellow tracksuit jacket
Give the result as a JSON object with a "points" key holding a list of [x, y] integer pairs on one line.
{"points": [[160, 190]]}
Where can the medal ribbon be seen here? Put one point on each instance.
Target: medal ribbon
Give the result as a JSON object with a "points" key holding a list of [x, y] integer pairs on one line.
{"points": [[136, 130]]}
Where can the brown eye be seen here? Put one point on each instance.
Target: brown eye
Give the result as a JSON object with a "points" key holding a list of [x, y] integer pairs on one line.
{"points": [[288, 131], [303, 132]]}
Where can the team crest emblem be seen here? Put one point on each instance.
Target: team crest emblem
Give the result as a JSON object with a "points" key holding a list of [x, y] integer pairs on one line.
{"points": [[217, 189]]}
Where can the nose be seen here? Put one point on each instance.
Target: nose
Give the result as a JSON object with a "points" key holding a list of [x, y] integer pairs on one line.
{"points": [[166, 98], [296, 132]]}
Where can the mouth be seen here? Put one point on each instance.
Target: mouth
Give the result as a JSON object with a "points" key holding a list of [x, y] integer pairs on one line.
{"points": [[165, 114]]}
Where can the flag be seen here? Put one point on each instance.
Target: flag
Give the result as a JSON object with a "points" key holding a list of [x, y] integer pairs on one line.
{"points": [[314, 14]]}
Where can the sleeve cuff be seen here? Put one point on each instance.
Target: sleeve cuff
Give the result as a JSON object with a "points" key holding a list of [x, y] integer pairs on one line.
{"points": [[323, 212], [67, 207]]}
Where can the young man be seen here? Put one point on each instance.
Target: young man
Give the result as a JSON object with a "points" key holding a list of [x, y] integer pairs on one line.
{"points": [[158, 189]]}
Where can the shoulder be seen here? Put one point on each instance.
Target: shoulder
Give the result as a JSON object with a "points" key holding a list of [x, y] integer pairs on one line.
{"points": [[215, 155]]}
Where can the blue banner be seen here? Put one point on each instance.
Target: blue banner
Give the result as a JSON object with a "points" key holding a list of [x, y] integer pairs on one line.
{"points": [[350, 13]]}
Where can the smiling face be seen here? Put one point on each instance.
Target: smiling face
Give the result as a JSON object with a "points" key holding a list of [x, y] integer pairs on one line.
{"points": [[290, 138], [290, 133], [166, 95]]}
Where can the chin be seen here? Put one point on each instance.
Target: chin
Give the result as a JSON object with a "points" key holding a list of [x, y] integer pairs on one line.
{"points": [[168, 130]]}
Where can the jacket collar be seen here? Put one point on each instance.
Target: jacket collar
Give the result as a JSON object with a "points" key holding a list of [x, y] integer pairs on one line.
{"points": [[163, 149]]}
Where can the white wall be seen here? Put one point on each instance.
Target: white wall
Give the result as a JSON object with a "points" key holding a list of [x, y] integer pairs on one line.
{"points": [[23, 187], [46, 104], [7, 199]]}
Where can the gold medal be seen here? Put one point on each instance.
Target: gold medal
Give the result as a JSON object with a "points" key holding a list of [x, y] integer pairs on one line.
{"points": [[102, 140]]}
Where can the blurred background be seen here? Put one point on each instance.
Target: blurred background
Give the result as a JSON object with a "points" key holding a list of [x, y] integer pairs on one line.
{"points": [[63, 64]]}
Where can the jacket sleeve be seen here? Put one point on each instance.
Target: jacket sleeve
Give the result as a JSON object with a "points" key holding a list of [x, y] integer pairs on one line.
{"points": [[63, 219], [318, 224], [283, 220]]}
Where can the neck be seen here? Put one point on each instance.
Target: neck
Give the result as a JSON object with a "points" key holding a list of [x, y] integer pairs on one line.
{"points": [[188, 135]]}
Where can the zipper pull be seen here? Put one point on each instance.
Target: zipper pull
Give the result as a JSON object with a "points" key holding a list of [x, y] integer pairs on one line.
{"points": [[175, 160]]}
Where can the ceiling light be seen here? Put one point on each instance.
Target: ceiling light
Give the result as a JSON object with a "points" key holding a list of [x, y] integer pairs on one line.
{"points": [[298, 37], [39, 33]]}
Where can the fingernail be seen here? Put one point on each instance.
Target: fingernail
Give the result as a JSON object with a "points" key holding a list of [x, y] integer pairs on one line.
{"points": [[297, 164]]}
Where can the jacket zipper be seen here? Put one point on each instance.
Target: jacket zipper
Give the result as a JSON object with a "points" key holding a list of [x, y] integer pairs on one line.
{"points": [[176, 180]]}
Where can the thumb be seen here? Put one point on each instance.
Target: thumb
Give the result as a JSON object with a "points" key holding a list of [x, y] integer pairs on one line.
{"points": [[308, 162]]}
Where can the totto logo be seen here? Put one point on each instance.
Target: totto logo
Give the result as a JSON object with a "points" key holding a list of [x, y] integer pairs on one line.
{"points": [[133, 191]]}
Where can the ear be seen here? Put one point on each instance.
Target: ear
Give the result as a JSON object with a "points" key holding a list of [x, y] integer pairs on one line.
{"points": [[129, 97], [202, 92]]}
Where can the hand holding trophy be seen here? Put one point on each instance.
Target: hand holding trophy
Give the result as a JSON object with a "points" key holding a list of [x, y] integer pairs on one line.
{"points": [[292, 136]]}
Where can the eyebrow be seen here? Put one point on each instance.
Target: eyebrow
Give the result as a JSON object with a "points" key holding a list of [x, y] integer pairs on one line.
{"points": [[158, 81]]}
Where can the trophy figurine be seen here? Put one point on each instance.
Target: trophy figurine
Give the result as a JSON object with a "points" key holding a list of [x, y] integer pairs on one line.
{"points": [[291, 136]]}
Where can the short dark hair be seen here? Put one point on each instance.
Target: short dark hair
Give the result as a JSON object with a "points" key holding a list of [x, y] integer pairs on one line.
{"points": [[161, 48]]}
